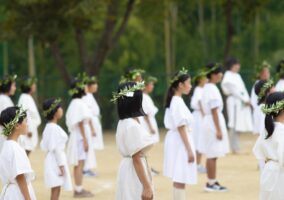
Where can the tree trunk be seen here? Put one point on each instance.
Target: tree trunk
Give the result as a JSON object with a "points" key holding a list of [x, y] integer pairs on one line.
{"points": [[167, 44], [31, 56], [229, 28], [256, 37], [85, 62], [201, 28], [55, 51]]}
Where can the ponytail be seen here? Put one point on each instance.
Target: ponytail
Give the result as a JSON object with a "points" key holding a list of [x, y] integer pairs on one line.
{"points": [[269, 125], [170, 95]]}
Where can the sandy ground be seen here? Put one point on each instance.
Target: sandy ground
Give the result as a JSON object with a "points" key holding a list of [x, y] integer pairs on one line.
{"points": [[238, 172]]}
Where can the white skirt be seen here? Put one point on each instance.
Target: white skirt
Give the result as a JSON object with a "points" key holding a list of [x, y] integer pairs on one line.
{"points": [[98, 140], [212, 147], [197, 130], [29, 143], [176, 165], [13, 192]]}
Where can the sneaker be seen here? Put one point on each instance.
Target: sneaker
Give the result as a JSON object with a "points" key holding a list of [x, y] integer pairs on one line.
{"points": [[90, 173], [201, 169], [216, 187], [83, 194], [154, 172]]}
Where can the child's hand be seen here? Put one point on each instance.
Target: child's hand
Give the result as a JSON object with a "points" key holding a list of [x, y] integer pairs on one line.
{"points": [[29, 134], [190, 157], [94, 133], [219, 135], [152, 130], [86, 145], [62, 171]]}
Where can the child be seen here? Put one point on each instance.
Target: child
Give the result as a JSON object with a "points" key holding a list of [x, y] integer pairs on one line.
{"points": [[214, 131], [29, 141], [7, 89], [16, 172], [54, 138], [264, 75], [179, 156], [271, 149], [280, 70], [198, 113], [80, 152], [133, 141]]}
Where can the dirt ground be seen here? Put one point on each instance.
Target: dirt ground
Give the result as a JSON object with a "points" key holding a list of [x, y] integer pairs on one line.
{"points": [[238, 172]]}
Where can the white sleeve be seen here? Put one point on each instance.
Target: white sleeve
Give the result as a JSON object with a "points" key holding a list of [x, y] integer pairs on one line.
{"points": [[214, 100], [258, 149], [179, 116], [233, 91]]}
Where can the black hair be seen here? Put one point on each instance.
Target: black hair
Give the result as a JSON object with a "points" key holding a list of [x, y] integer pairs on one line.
{"points": [[8, 114], [280, 68], [129, 107], [6, 87], [81, 92], [230, 62], [257, 89], [171, 91], [25, 88], [213, 68], [269, 118], [46, 105], [89, 83]]}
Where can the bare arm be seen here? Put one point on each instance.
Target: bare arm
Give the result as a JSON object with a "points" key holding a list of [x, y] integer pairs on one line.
{"points": [[21, 180], [82, 131], [214, 112], [183, 135], [200, 107], [149, 124]]}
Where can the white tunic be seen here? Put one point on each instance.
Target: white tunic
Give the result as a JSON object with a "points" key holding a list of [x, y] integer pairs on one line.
{"points": [[272, 177], [151, 110], [77, 112], [33, 119], [53, 143], [131, 138], [213, 148], [5, 102], [14, 162], [197, 114], [239, 115], [176, 165], [279, 87], [92, 104]]}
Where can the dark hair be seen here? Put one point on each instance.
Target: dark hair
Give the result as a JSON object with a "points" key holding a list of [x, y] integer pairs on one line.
{"points": [[174, 86], [25, 88], [280, 68], [9, 114], [46, 105], [257, 89], [129, 107], [6, 87], [80, 93], [269, 118], [229, 62], [213, 68]]}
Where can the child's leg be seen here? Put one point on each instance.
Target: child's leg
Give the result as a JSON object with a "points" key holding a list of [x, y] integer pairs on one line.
{"points": [[198, 157], [78, 175], [28, 152], [55, 192], [179, 191], [211, 170]]}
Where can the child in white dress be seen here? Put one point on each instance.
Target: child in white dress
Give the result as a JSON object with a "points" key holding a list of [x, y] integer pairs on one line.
{"points": [[80, 150], [16, 172], [271, 149], [280, 72], [200, 80], [133, 142], [179, 151], [7, 89], [26, 100], [54, 139], [214, 132]]}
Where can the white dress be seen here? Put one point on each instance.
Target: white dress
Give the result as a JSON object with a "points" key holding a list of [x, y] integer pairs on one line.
{"points": [[14, 162], [151, 110], [197, 115], [33, 119], [77, 112], [176, 165], [279, 87], [131, 138], [53, 143], [213, 148], [272, 176], [92, 104], [239, 115], [5, 102]]}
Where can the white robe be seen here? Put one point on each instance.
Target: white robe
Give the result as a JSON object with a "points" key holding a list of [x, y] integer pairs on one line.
{"points": [[279, 87], [131, 138], [197, 125], [239, 115], [212, 147], [150, 110], [33, 119], [92, 104], [176, 165], [272, 176], [77, 112], [14, 162], [5, 102], [53, 143]]}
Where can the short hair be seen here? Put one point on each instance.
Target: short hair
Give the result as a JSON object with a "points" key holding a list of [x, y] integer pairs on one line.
{"points": [[229, 62], [9, 114], [81, 92], [6, 87], [129, 107], [218, 69], [47, 104]]}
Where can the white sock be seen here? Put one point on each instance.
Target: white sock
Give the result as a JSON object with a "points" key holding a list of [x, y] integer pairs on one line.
{"points": [[212, 181], [179, 194], [78, 188]]}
